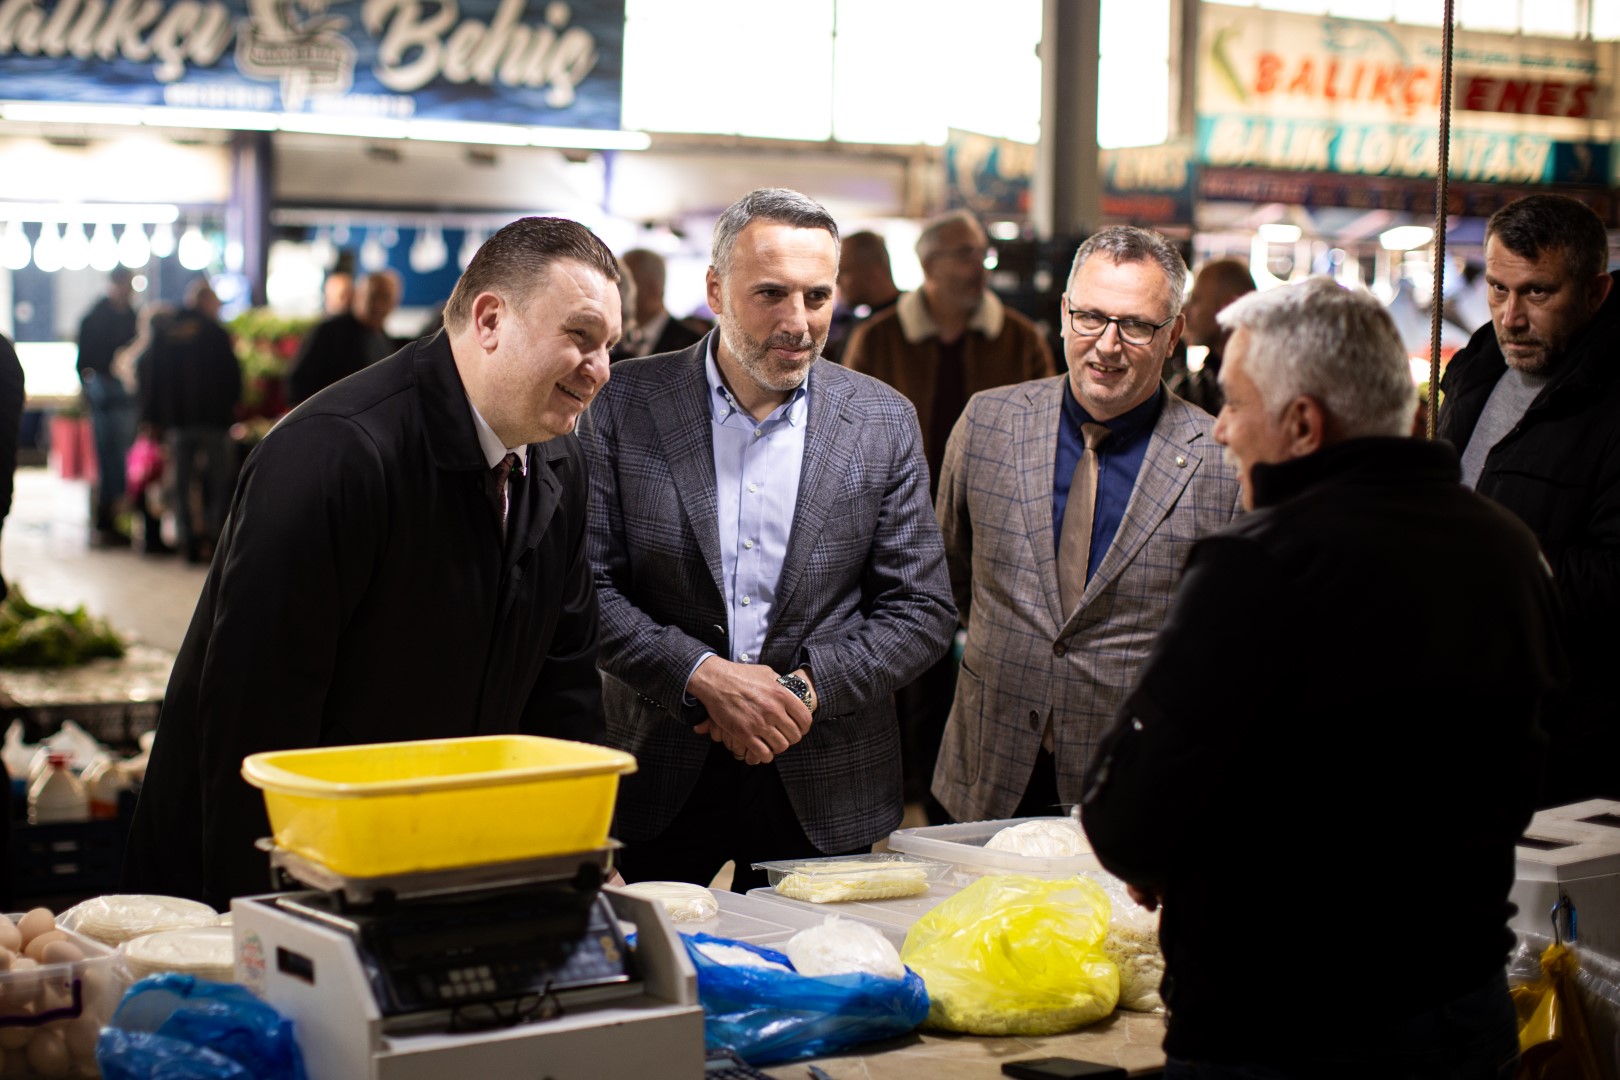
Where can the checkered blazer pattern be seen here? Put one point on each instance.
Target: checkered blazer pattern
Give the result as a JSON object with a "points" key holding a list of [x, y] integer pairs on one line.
{"points": [[1026, 660], [864, 599]]}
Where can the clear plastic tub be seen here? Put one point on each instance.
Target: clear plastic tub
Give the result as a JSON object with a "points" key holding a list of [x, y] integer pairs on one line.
{"points": [[963, 845], [50, 1015], [756, 920], [436, 804], [841, 878], [892, 917]]}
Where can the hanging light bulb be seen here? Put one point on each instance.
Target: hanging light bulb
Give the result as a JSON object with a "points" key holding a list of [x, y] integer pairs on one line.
{"points": [[48, 248], [195, 250], [428, 252], [75, 246], [134, 251], [471, 241], [374, 252], [163, 240], [103, 248], [15, 250]]}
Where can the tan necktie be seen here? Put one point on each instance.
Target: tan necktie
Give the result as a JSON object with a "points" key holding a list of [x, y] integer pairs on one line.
{"points": [[1074, 548]]}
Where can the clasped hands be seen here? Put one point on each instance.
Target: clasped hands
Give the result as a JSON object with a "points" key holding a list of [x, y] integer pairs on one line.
{"points": [[755, 716]]}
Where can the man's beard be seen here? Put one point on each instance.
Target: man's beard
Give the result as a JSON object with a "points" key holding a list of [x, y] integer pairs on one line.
{"points": [[1535, 363], [753, 356]]}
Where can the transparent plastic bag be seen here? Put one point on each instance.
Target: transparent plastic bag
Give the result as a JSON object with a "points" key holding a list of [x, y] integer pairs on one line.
{"points": [[1016, 956], [201, 1028], [1568, 1000], [766, 1015], [1133, 945]]}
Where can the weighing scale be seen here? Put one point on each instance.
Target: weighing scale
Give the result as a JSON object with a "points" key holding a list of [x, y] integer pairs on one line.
{"points": [[517, 969]]}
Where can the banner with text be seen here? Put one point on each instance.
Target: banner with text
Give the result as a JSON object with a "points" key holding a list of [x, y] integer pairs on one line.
{"points": [[527, 62], [1281, 91]]}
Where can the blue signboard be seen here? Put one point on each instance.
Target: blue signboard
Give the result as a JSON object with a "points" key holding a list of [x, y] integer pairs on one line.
{"points": [[528, 62]]}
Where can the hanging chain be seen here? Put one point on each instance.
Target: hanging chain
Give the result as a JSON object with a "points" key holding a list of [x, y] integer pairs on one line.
{"points": [[1437, 300]]}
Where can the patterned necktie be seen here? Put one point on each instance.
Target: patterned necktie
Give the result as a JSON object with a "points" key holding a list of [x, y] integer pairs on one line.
{"points": [[1074, 548], [503, 493]]}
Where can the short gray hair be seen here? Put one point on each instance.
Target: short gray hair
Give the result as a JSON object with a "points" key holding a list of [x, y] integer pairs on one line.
{"points": [[780, 205], [1336, 345], [1127, 243], [928, 241]]}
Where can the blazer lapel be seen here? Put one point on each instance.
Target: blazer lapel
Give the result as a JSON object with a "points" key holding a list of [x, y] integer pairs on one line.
{"points": [[1174, 453], [1036, 448], [682, 415], [828, 447]]}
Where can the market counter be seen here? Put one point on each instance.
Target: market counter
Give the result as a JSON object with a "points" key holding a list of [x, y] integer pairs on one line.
{"points": [[1131, 1040]]}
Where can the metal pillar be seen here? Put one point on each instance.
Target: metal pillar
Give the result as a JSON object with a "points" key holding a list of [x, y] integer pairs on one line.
{"points": [[247, 215], [1066, 179]]}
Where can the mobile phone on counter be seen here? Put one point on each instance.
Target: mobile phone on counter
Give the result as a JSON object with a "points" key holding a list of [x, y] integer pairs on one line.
{"points": [[1061, 1069]]}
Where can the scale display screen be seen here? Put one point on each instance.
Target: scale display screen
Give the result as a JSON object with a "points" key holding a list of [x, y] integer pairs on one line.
{"points": [[533, 944]]}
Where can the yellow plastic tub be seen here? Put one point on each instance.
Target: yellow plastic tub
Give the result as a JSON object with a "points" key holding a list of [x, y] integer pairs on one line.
{"points": [[400, 808]]}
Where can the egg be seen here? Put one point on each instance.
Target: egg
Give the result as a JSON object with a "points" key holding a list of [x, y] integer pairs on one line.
{"points": [[10, 936], [62, 951], [6, 957], [23, 986], [36, 947], [48, 1054], [16, 1063], [15, 1038], [81, 1038], [35, 923]]}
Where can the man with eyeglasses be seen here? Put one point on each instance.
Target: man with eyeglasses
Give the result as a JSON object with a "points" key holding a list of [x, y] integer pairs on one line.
{"points": [[1068, 506]]}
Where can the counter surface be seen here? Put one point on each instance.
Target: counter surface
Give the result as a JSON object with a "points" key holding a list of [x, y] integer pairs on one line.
{"points": [[1132, 1040]]}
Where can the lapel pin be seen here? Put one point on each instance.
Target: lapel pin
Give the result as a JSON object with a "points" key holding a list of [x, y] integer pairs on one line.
{"points": [[1181, 462]]}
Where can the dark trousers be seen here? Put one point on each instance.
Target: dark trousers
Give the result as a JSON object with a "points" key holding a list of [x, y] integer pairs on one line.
{"points": [[923, 708], [113, 420], [736, 812], [1474, 1037], [1041, 796]]}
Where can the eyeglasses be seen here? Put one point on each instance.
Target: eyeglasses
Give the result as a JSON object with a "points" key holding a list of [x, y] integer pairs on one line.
{"points": [[1131, 331]]}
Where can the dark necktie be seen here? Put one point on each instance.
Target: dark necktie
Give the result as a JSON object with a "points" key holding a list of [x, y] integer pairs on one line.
{"points": [[501, 493], [1074, 548]]}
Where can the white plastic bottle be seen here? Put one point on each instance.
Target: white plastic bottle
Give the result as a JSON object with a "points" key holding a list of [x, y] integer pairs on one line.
{"points": [[57, 795]]}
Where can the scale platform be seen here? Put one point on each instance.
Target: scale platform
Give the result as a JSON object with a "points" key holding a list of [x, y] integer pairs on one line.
{"points": [[518, 968]]}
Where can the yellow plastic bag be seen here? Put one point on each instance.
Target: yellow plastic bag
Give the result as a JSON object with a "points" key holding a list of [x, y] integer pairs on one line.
{"points": [[1553, 1041], [1016, 956]]}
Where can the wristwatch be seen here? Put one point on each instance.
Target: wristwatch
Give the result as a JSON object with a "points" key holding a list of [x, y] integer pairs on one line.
{"points": [[797, 687]]}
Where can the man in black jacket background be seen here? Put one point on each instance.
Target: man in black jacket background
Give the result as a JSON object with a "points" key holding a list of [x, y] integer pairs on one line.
{"points": [[1533, 406], [1340, 712]]}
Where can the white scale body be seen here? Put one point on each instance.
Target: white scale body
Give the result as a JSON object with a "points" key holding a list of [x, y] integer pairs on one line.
{"points": [[1572, 851], [313, 974]]}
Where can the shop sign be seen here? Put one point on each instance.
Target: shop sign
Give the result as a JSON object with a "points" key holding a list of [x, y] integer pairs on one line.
{"points": [[1285, 91], [1149, 184], [988, 175], [504, 61]]}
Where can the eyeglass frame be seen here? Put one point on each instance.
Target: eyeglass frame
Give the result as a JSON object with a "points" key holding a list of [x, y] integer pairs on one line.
{"points": [[1116, 320]]}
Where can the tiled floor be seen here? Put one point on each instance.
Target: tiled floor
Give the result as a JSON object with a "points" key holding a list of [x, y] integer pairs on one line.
{"points": [[45, 551]]}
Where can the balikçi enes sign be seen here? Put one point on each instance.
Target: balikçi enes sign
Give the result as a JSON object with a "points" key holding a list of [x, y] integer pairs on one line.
{"points": [[501, 61]]}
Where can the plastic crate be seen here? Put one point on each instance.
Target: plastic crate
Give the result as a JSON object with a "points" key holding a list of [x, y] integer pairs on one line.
{"points": [[963, 844]]}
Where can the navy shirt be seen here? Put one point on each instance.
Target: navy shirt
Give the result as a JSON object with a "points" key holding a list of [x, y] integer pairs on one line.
{"points": [[1118, 462]]}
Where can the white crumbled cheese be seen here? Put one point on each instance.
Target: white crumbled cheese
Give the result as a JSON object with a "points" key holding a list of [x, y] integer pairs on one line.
{"points": [[1134, 947], [844, 947], [1048, 838], [737, 956]]}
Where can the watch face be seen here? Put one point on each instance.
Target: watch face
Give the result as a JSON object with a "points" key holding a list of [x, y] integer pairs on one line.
{"points": [[796, 686]]}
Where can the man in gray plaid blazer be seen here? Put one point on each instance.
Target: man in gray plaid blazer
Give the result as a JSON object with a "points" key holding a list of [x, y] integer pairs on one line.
{"points": [[768, 566], [1068, 506]]}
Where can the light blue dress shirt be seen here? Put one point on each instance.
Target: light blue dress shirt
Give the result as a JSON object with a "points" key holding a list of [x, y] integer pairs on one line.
{"points": [[756, 474]]}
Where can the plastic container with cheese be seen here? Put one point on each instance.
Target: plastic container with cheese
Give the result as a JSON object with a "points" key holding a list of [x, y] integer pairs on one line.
{"points": [[963, 846]]}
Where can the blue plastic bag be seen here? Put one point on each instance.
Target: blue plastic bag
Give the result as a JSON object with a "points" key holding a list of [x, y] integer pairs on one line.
{"points": [[178, 1026], [768, 1016]]}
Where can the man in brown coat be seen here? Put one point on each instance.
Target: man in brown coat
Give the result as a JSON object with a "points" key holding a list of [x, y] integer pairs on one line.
{"points": [[946, 341]]}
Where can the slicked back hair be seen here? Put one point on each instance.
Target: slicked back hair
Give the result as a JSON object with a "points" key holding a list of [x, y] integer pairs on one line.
{"points": [[1537, 223], [779, 205], [1336, 345], [1127, 243], [517, 259]]}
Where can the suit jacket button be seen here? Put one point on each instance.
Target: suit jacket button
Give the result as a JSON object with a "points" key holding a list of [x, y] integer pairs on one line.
{"points": [[1034, 719], [1060, 649]]}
